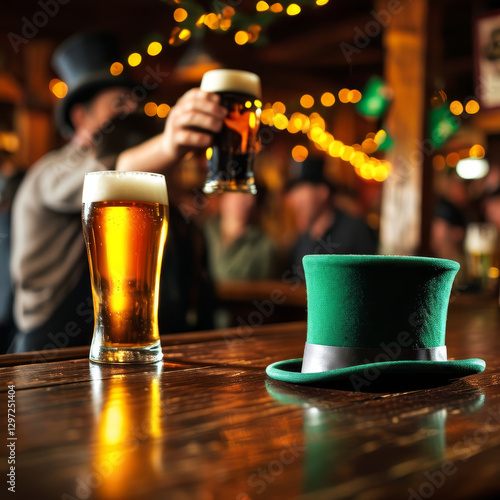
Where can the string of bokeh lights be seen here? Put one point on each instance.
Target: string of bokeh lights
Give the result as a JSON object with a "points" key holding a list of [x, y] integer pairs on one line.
{"points": [[247, 27], [470, 106], [313, 125]]}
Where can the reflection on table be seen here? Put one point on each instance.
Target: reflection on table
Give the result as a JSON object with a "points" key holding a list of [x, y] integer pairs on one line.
{"points": [[208, 423]]}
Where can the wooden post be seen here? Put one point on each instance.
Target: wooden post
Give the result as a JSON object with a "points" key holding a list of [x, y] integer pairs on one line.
{"points": [[405, 73]]}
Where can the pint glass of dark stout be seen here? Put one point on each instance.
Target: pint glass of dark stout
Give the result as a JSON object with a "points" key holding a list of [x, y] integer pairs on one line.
{"points": [[231, 158], [125, 223]]}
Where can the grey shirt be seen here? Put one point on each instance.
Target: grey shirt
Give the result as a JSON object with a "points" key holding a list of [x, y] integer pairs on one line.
{"points": [[48, 250]]}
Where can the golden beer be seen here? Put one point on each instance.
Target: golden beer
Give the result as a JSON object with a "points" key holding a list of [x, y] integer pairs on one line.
{"points": [[125, 223], [231, 158]]}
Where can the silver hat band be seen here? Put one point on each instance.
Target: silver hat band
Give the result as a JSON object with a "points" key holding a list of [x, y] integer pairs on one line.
{"points": [[322, 358]]}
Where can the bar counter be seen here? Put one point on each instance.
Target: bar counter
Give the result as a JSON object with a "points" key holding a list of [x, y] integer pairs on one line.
{"points": [[207, 423]]}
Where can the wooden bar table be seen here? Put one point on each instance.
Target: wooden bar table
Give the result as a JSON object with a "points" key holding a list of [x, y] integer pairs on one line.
{"points": [[208, 423]]}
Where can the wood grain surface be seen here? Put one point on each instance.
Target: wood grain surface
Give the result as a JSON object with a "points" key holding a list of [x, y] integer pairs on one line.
{"points": [[209, 424]]}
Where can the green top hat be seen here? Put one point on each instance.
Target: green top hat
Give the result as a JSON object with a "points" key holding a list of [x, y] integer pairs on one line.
{"points": [[374, 315]]}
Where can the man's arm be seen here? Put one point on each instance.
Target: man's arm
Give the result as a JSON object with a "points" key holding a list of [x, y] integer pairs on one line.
{"points": [[60, 186], [190, 126]]}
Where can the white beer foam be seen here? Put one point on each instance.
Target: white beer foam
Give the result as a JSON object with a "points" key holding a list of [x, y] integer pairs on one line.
{"points": [[231, 80], [112, 185]]}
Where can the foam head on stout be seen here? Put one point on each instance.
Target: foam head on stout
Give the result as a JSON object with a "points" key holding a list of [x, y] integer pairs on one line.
{"points": [[230, 159], [231, 80]]}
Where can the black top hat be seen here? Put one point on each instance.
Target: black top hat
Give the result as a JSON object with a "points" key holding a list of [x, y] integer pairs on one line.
{"points": [[83, 62], [310, 170]]}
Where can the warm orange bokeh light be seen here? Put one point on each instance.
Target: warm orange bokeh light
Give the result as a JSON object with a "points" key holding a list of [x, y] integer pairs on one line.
{"points": [[307, 101], [477, 151], [472, 107], [276, 8], [134, 59], [279, 107], [150, 108], [116, 69], [154, 48], [241, 37], [59, 89], [456, 108], [293, 9], [300, 153], [344, 95], [327, 99], [163, 110], [180, 15], [438, 162], [452, 159]]}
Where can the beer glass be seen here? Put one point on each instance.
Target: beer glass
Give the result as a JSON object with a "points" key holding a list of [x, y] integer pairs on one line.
{"points": [[125, 223], [481, 240], [231, 158]]}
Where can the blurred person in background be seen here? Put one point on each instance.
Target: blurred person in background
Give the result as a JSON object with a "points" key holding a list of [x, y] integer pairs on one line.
{"points": [[491, 207], [448, 235], [322, 228], [53, 301], [10, 178], [238, 247]]}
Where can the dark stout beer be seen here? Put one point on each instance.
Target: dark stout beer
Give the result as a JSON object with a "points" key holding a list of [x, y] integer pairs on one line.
{"points": [[125, 222], [231, 158]]}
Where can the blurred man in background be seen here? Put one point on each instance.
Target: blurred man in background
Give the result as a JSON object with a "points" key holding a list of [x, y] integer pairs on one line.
{"points": [[323, 229], [53, 305], [239, 248]]}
